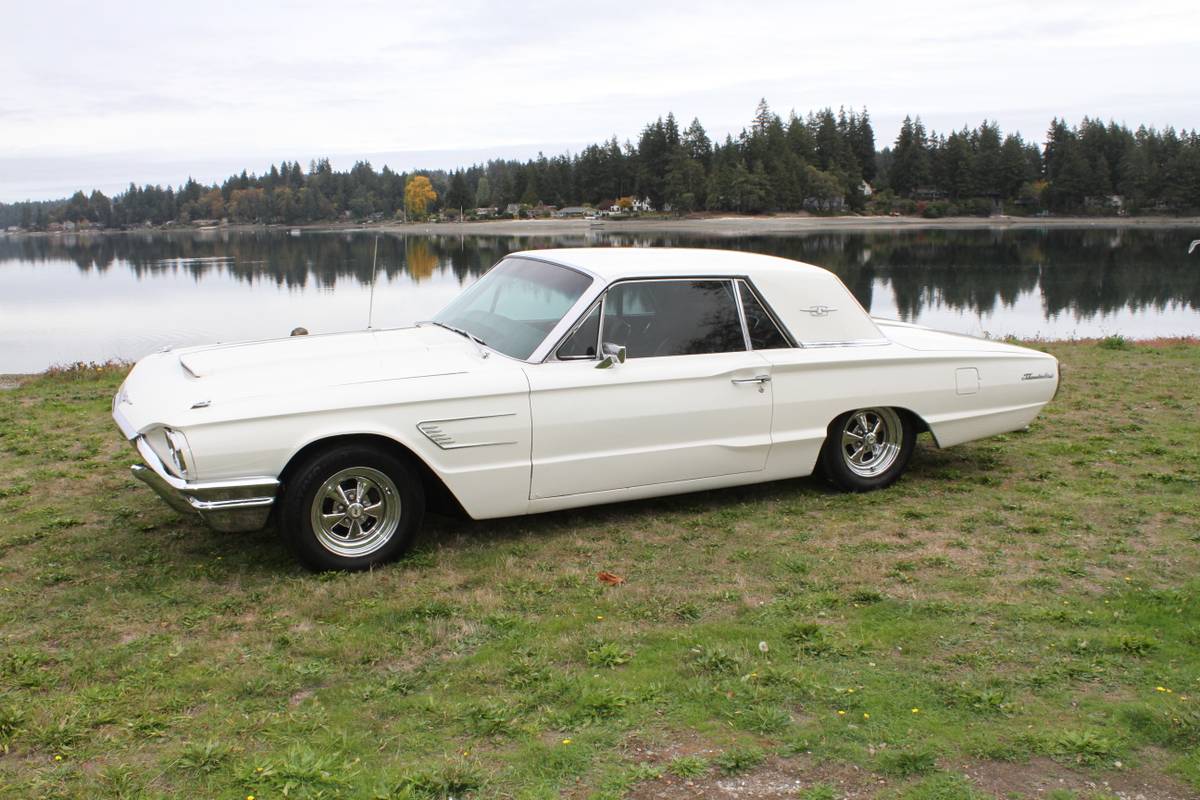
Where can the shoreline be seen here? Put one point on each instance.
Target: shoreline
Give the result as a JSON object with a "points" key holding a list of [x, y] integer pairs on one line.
{"points": [[14, 380], [729, 225]]}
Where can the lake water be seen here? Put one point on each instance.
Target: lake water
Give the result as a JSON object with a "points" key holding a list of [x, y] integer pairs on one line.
{"points": [[92, 298]]}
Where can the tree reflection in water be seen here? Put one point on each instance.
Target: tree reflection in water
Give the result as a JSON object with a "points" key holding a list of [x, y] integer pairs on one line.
{"points": [[1077, 271]]}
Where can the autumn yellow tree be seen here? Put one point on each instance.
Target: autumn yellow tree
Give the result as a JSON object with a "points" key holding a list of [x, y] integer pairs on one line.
{"points": [[420, 259], [418, 194], [212, 203]]}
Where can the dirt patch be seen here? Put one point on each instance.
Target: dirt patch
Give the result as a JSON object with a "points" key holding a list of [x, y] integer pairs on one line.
{"points": [[683, 743], [1040, 776], [778, 778]]}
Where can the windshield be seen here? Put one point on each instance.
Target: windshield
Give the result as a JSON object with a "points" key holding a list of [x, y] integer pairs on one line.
{"points": [[515, 305]]}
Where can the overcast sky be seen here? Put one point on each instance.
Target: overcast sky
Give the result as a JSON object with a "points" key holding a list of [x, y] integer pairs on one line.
{"points": [[94, 95]]}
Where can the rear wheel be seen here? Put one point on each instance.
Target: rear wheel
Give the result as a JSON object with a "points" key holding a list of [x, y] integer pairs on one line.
{"points": [[351, 507], [868, 448]]}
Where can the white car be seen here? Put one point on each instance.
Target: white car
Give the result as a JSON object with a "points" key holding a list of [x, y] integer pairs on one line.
{"points": [[563, 378]]}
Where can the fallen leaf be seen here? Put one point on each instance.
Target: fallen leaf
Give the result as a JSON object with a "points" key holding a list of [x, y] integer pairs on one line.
{"points": [[610, 578]]}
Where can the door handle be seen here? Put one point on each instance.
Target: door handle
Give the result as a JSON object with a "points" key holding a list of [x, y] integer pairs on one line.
{"points": [[755, 379]]}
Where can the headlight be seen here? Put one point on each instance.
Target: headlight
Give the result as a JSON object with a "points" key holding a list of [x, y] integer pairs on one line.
{"points": [[177, 448]]}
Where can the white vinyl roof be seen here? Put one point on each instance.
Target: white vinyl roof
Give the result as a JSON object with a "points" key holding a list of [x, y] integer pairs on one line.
{"points": [[612, 263]]}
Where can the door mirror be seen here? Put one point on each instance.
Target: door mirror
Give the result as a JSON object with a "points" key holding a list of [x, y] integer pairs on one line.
{"points": [[613, 354]]}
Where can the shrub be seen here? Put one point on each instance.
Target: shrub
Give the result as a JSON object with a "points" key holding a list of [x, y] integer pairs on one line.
{"points": [[903, 763], [687, 767], [739, 760], [1115, 342], [609, 654]]}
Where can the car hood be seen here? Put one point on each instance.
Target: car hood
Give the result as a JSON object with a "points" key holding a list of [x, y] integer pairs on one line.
{"points": [[201, 384], [333, 359]]}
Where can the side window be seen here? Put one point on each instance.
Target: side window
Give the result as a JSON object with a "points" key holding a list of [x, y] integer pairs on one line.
{"points": [[582, 341], [673, 318], [764, 333]]}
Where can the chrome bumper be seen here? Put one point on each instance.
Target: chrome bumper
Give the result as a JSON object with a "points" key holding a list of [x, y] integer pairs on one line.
{"points": [[241, 505]]}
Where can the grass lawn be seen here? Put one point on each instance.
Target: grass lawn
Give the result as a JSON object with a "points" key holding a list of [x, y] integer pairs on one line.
{"points": [[1017, 617]]}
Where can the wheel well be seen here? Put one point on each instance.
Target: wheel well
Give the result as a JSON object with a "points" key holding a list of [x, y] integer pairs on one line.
{"points": [[919, 425], [438, 496]]}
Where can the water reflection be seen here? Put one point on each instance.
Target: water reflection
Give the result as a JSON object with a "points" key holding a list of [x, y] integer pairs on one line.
{"points": [[1050, 282]]}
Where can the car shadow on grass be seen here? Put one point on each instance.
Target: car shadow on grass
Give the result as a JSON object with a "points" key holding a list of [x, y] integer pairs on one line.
{"points": [[928, 467], [264, 553]]}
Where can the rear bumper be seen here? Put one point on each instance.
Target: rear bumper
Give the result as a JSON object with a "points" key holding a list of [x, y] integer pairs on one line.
{"points": [[240, 505]]}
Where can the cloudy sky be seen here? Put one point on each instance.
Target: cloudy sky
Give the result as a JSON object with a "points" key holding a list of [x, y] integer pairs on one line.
{"points": [[94, 95]]}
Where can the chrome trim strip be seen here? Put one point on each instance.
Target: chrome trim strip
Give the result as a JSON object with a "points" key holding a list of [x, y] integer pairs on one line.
{"points": [[847, 343], [238, 485], [411, 377], [552, 357], [463, 419], [473, 444], [787, 334], [600, 326], [736, 286], [445, 441], [238, 505]]}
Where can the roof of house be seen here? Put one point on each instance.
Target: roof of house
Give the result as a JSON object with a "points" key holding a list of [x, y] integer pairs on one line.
{"points": [[612, 263]]}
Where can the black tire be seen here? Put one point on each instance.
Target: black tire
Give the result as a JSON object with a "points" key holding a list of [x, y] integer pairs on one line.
{"points": [[351, 480], [883, 458]]}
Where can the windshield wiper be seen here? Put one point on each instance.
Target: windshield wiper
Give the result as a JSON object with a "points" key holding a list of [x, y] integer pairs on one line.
{"points": [[479, 343]]}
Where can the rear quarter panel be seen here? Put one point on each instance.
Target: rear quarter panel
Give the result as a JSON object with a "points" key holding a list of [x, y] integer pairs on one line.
{"points": [[814, 385]]}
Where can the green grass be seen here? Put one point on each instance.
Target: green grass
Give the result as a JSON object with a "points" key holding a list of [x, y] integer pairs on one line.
{"points": [[1032, 596]]}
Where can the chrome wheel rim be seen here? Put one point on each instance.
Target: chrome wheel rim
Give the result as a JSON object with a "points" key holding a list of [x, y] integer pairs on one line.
{"points": [[356, 512], [871, 441]]}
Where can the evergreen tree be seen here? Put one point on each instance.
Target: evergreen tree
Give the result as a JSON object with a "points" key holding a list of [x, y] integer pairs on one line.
{"points": [[1013, 170], [483, 192], [862, 144], [910, 158], [817, 162], [696, 144], [458, 197]]}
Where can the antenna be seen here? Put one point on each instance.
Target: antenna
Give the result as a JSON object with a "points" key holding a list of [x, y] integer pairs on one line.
{"points": [[371, 306]]}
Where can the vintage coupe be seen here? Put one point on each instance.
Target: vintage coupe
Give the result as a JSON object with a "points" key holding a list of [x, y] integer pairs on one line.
{"points": [[563, 378]]}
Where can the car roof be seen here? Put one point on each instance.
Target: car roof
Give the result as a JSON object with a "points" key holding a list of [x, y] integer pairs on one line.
{"points": [[613, 263]]}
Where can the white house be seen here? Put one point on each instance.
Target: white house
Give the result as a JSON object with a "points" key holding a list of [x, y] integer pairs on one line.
{"points": [[638, 206]]}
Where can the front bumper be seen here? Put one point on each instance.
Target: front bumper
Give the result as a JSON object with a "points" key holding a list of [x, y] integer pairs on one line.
{"points": [[240, 505]]}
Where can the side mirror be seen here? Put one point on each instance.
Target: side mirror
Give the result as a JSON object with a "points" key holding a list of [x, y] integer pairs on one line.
{"points": [[613, 354]]}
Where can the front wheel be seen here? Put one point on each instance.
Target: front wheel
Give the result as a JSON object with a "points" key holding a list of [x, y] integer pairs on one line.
{"points": [[868, 448], [351, 508]]}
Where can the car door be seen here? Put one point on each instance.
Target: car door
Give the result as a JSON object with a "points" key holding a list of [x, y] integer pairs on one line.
{"points": [[690, 401]]}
